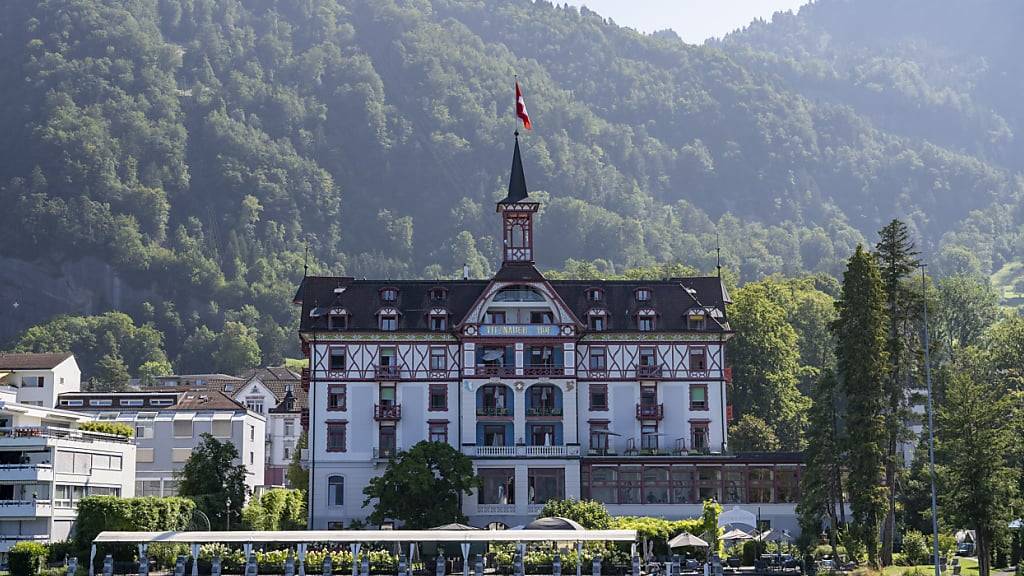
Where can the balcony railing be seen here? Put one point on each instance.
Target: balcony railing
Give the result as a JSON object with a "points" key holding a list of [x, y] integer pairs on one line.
{"points": [[523, 451], [26, 472], [24, 508], [384, 453], [496, 508], [493, 411], [646, 371], [543, 371], [655, 445], [63, 433], [491, 370], [544, 411], [388, 372], [650, 411], [387, 412]]}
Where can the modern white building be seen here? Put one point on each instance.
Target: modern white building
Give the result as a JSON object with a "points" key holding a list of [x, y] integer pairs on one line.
{"points": [[610, 390], [40, 378], [168, 427], [47, 465]]}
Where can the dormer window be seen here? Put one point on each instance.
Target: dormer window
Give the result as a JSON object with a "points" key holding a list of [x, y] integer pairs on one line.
{"points": [[388, 319], [438, 320], [595, 294], [643, 294], [696, 322], [389, 294], [597, 320], [337, 319], [438, 294], [646, 320]]}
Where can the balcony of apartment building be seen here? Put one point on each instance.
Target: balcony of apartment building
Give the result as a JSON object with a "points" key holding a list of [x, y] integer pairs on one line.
{"points": [[544, 401], [495, 402], [26, 465], [387, 412], [544, 361], [496, 361], [27, 500], [20, 436]]}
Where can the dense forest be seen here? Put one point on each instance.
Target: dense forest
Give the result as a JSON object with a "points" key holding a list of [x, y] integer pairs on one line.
{"points": [[174, 160]]}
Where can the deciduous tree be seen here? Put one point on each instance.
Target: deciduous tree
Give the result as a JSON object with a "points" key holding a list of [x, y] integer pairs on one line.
{"points": [[214, 481]]}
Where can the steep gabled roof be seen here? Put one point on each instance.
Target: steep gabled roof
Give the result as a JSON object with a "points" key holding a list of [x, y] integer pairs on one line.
{"points": [[32, 360]]}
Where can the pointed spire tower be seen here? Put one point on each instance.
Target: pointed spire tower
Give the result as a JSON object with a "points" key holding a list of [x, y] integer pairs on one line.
{"points": [[517, 215]]}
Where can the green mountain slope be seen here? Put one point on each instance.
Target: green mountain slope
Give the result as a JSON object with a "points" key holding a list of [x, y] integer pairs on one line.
{"points": [[174, 158]]}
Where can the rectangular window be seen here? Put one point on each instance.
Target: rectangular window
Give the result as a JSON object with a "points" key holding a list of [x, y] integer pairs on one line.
{"points": [[787, 485], [161, 402], [389, 294], [143, 431], [499, 486], [734, 485], [254, 403], [604, 484], [131, 402], [439, 432], [699, 440], [494, 317], [656, 485], [759, 490], [337, 321], [144, 455], [599, 438], [643, 295], [183, 428], [33, 381], [598, 359], [100, 402], [438, 397], [544, 317], [388, 322], [336, 492], [542, 435], [252, 433], [698, 396], [682, 484], [597, 323], [543, 356], [337, 360], [438, 322], [546, 484], [289, 427], [598, 397], [649, 437], [709, 483], [336, 396], [645, 323], [71, 402], [698, 359], [648, 356], [179, 455], [336, 437], [388, 441], [387, 357], [696, 322], [494, 435], [222, 428], [438, 359], [629, 485]]}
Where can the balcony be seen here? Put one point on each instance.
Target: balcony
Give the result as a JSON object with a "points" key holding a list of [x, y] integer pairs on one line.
{"points": [[655, 445], [387, 412], [32, 433], [493, 411], [384, 453], [544, 412], [26, 472], [389, 372], [650, 411], [648, 371], [545, 370], [492, 370], [24, 508], [495, 508], [523, 451]]}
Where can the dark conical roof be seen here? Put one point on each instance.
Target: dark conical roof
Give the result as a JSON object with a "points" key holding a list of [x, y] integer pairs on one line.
{"points": [[517, 180]]}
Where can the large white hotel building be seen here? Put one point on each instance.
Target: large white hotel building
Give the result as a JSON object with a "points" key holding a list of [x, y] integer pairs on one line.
{"points": [[608, 390]]}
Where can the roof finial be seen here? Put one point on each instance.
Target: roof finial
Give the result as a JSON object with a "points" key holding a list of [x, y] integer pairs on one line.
{"points": [[718, 251]]}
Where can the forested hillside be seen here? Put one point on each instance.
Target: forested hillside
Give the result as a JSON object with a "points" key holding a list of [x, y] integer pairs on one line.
{"points": [[173, 159]]}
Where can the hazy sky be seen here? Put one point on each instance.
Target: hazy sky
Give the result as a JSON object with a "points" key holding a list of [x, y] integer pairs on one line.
{"points": [[694, 20]]}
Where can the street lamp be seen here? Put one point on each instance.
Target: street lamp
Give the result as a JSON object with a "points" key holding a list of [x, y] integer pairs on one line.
{"points": [[931, 424]]}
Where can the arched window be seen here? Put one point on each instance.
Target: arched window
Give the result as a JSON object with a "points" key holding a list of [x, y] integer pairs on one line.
{"points": [[519, 293], [335, 491]]}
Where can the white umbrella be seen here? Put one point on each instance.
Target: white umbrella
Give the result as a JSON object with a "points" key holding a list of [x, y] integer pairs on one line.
{"points": [[736, 534], [686, 539]]}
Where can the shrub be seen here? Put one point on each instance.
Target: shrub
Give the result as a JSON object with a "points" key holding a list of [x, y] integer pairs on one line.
{"points": [[749, 552], [915, 547], [590, 514], [148, 513], [26, 558], [58, 551], [915, 571], [115, 428]]}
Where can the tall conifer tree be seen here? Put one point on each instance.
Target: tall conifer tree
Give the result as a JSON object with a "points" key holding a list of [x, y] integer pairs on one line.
{"points": [[819, 485], [896, 260], [861, 361]]}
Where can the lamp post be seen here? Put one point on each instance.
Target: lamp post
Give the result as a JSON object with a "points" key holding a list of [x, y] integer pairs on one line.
{"points": [[227, 514], [931, 424]]}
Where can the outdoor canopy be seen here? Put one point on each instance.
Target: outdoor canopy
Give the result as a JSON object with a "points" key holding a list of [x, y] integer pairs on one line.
{"points": [[303, 536], [736, 534], [686, 539]]}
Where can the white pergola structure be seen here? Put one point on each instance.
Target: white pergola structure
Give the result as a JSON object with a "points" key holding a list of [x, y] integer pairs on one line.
{"points": [[355, 539]]}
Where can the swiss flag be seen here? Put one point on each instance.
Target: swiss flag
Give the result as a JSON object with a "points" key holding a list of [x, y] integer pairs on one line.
{"points": [[521, 108]]}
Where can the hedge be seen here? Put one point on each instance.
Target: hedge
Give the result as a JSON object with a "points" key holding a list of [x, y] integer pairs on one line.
{"points": [[148, 513], [115, 428], [26, 558]]}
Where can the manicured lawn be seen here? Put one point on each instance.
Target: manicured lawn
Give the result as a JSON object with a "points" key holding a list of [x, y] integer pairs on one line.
{"points": [[969, 567]]}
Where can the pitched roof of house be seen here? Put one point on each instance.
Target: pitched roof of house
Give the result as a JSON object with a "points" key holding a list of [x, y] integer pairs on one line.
{"points": [[279, 380], [32, 360], [204, 399]]}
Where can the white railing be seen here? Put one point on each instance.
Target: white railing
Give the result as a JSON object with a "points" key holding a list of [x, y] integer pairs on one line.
{"points": [[520, 451], [496, 508], [57, 432], [534, 508]]}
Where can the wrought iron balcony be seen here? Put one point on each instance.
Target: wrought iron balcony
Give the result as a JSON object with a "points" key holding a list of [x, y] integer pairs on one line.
{"points": [[493, 411], [492, 370], [545, 370], [544, 411], [390, 372], [648, 371], [387, 412], [650, 411]]}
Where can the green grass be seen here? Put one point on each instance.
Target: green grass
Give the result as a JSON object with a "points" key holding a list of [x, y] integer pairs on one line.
{"points": [[969, 567], [1005, 280]]}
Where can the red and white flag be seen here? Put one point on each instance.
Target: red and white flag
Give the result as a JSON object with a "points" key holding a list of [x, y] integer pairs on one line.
{"points": [[521, 108]]}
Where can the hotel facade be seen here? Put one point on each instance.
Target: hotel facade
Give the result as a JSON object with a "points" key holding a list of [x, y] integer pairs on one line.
{"points": [[615, 391]]}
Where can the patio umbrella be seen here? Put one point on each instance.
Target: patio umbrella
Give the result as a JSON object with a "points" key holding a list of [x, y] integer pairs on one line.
{"points": [[736, 534], [782, 536], [686, 539]]}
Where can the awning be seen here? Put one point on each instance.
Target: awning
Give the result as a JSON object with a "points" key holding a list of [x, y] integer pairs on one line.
{"points": [[736, 534], [300, 536]]}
